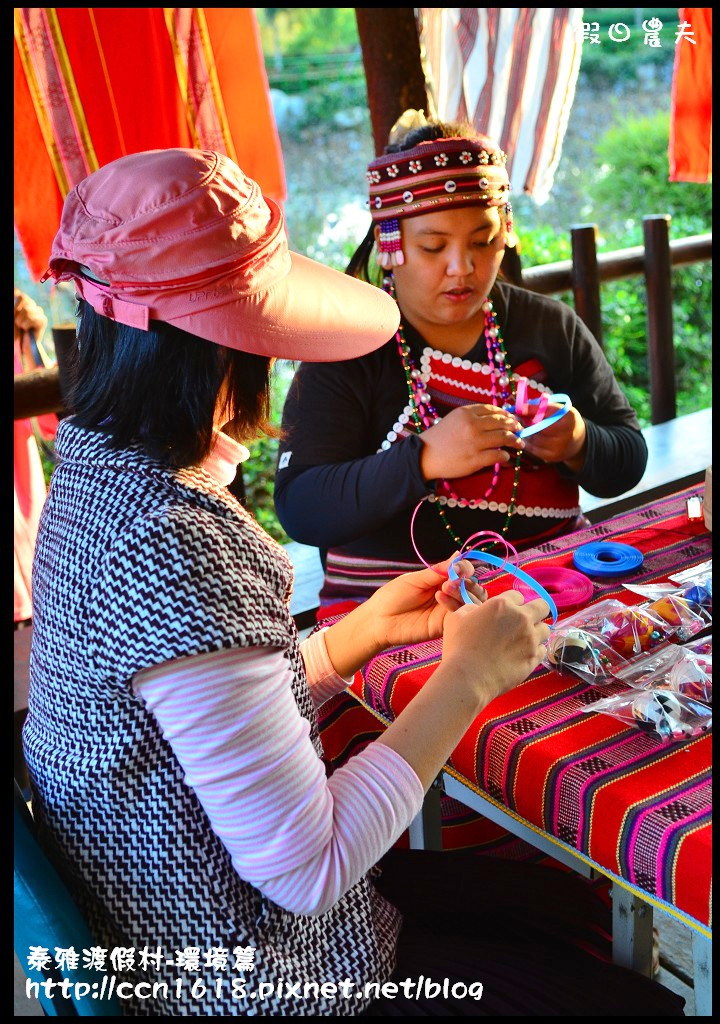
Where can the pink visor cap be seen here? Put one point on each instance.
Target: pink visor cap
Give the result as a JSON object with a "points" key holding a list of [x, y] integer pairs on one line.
{"points": [[183, 236]]}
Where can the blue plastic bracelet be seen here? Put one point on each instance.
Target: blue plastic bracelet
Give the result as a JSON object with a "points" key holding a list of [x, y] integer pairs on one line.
{"points": [[606, 558], [482, 556], [559, 399]]}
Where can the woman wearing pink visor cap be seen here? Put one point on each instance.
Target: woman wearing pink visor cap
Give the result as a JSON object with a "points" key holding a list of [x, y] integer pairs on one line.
{"points": [[171, 741]]}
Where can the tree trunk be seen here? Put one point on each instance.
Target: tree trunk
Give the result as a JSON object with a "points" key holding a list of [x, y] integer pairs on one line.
{"points": [[393, 68]]}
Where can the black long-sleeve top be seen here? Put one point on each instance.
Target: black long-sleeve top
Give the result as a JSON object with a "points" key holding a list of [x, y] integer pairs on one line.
{"points": [[335, 490]]}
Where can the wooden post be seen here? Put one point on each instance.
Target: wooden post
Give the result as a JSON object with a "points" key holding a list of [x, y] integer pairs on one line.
{"points": [[632, 931], [661, 346], [393, 68], [37, 392], [585, 277]]}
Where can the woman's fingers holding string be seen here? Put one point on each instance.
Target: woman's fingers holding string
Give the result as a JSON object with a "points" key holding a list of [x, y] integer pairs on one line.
{"points": [[537, 610], [540, 611], [491, 418], [498, 430], [452, 589]]}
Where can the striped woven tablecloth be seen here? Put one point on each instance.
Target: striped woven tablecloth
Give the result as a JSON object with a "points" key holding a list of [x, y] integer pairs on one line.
{"points": [[638, 809]]}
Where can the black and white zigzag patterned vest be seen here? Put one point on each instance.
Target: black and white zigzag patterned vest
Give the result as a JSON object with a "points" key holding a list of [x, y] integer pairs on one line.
{"points": [[136, 565]]}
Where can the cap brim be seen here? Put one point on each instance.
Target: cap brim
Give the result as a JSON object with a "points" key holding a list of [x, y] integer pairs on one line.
{"points": [[314, 314]]}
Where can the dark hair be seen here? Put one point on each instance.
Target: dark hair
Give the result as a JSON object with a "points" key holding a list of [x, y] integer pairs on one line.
{"points": [[159, 388], [359, 265], [431, 131]]}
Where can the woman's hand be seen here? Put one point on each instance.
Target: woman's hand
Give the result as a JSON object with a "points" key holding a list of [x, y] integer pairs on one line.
{"points": [[28, 315], [469, 438], [413, 607], [563, 441], [487, 650], [407, 610], [498, 646]]}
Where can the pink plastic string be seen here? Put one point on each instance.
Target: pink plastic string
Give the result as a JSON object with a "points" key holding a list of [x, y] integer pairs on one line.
{"points": [[541, 408], [522, 405], [521, 397], [412, 537], [490, 535]]}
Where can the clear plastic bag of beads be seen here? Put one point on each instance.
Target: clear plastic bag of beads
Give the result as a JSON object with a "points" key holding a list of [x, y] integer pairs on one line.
{"points": [[627, 629], [686, 618], [702, 645], [579, 652], [697, 589], [689, 597], [671, 667], [663, 713], [686, 606], [689, 576]]}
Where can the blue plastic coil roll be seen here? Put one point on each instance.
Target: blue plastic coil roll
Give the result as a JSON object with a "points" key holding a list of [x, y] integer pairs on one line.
{"points": [[606, 558]]}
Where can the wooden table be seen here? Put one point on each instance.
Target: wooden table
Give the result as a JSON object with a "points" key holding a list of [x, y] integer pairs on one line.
{"points": [[585, 788]]}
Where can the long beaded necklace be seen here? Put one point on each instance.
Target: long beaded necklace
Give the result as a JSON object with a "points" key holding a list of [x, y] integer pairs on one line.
{"points": [[424, 415]]}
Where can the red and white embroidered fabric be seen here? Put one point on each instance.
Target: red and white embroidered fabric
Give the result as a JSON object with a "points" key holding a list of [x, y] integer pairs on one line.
{"points": [[452, 382]]}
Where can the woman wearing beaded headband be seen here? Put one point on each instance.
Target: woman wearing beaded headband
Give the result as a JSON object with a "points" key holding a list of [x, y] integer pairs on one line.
{"points": [[366, 440], [435, 414]]}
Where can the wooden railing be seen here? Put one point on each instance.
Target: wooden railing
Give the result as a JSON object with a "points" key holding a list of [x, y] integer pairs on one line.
{"points": [[40, 391], [36, 393], [584, 273]]}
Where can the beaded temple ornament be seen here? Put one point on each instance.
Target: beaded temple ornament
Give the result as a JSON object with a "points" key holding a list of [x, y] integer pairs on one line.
{"points": [[436, 174]]}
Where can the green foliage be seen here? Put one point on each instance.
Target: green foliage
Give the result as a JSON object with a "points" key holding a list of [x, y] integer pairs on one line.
{"points": [[631, 181], [631, 161], [314, 53], [259, 477], [543, 245], [259, 470], [630, 16], [334, 98], [47, 458], [624, 315], [612, 61], [287, 32], [624, 306], [601, 65]]}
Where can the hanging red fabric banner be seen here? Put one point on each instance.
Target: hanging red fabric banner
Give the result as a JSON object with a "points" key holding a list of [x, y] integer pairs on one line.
{"points": [[690, 149], [93, 84]]}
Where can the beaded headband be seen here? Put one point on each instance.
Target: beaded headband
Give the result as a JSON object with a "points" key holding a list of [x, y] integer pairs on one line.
{"points": [[434, 174]]}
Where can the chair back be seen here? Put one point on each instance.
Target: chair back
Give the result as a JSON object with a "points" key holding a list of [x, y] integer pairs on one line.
{"points": [[47, 917]]}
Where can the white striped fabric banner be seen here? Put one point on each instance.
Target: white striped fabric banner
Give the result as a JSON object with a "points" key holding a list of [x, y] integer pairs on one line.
{"points": [[511, 71]]}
